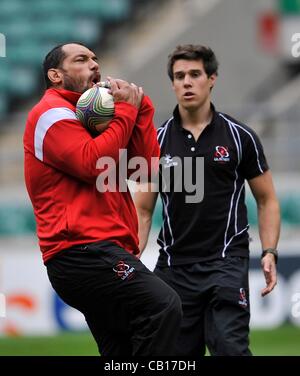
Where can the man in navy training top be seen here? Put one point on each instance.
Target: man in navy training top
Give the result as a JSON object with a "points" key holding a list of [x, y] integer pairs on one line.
{"points": [[204, 243]]}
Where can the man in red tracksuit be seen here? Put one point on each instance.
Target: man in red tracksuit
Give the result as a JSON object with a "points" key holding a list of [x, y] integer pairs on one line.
{"points": [[89, 238]]}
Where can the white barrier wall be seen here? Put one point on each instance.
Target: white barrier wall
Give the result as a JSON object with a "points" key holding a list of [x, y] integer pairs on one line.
{"points": [[30, 306]]}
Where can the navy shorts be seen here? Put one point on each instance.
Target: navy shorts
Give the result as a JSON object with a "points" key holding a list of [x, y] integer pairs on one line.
{"points": [[215, 303]]}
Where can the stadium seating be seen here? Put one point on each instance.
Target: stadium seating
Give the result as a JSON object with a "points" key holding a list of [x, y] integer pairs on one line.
{"points": [[290, 209], [16, 220], [289, 206], [113, 10], [3, 104], [31, 28]]}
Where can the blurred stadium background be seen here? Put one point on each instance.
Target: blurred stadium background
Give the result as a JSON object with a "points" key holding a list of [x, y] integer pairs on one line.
{"points": [[259, 83]]}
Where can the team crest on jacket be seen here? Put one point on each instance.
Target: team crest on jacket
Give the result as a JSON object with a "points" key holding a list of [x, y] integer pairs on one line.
{"points": [[221, 154]]}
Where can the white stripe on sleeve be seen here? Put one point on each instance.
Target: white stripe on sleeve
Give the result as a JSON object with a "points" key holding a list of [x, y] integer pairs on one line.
{"points": [[46, 120]]}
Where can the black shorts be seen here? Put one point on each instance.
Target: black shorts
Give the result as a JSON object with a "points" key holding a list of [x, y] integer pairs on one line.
{"points": [[215, 303], [129, 310]]}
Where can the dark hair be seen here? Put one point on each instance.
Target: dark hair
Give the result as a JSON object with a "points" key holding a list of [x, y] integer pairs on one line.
{"points": [[194, 52], [54, 59]]}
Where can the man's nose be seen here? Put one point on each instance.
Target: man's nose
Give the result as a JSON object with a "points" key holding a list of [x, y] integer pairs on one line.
{"points": [[187, 81], [94, 65]]}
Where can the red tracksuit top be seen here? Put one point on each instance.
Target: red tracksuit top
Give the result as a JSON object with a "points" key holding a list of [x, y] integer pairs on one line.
{"points": [[60, 172]]}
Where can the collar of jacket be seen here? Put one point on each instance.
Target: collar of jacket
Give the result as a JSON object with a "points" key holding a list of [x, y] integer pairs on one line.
{"points": [[177, 117], [70, 96]]}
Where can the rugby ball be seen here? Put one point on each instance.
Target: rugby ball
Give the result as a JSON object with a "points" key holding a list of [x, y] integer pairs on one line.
{"points": [[95, 108]]}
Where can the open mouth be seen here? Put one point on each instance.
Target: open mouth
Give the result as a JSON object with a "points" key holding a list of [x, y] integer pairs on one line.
{"points": [[188, 94], [95, 78]]}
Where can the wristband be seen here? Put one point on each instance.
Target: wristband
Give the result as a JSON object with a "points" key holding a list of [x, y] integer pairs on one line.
{"points": [[273, 251]]}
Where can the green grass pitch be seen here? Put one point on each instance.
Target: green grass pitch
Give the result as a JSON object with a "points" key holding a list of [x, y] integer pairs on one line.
{"points": [[282, 341]]}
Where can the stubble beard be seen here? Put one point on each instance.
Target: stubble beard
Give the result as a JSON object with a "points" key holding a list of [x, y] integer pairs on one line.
{"points": [[76, 85]]}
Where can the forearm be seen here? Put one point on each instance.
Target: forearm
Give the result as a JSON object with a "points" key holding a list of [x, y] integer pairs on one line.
{"points": [[145, 221], [269, 223], [144, 200]]}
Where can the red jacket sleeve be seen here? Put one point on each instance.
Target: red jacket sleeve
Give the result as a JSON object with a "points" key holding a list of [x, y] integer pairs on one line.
{"points": [[70, 148], [143, 142]]}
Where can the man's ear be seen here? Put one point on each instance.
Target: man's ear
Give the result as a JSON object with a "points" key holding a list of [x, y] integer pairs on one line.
{"points": [[55, 76], [213, 78]]}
